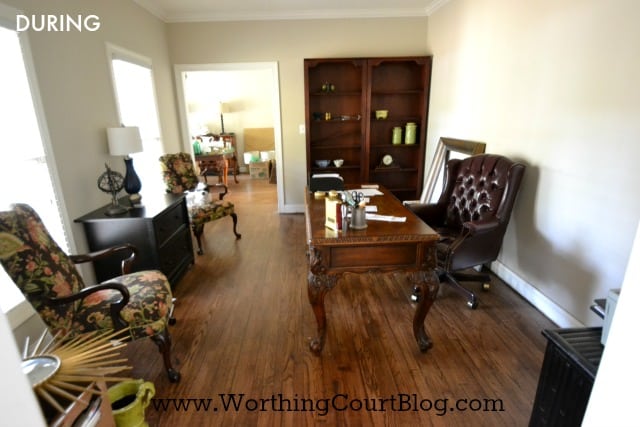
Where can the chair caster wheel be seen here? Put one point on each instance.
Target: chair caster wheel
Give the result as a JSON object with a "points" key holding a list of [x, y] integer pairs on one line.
{"points": [[472, 304], [415, 294], [486, 286], [174, 376]]}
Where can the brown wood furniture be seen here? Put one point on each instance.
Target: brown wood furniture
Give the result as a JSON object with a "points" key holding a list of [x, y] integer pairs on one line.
{"points": [[219, 163], [370, 348], [341, 97], [381, 247]]}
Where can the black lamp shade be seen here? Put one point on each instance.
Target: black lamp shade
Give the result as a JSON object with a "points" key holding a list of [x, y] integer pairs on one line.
{"points": [[132, 184]]}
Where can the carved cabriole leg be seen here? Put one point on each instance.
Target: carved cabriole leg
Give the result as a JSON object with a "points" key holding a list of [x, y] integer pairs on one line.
{"points": [[197, 231], [319, 283], [235, 224], [163, 341], [427, 284]]}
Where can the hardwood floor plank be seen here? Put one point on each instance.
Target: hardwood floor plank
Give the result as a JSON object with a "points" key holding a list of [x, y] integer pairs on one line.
{"points": [[244, 325]]}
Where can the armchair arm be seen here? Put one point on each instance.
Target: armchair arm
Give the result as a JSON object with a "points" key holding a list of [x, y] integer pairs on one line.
{"points": [[221, 194], [431, 213], [115, 308], [127, 263], [480, 227]]}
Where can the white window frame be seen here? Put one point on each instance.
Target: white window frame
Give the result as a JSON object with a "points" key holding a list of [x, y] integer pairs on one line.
{"points": [[22, 311], [116, 52]]}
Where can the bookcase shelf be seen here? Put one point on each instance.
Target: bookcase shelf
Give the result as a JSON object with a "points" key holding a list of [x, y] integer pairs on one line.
{"points": [[351, 90]]}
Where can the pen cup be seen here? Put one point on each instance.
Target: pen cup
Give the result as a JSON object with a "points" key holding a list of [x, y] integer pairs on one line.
{"points": [[358, 218]]}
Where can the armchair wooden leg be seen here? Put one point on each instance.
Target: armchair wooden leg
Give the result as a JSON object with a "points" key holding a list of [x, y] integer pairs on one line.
{"points": [[163, 341], [197, 231], [235, 224]]}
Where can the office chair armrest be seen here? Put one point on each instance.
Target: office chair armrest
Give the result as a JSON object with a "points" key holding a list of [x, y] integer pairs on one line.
{"points": [[431, 213], [480, 227], [115, 308], [127, 263]]}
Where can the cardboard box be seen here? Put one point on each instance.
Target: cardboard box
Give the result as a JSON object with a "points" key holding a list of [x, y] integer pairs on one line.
{"points": [[259, 170]]}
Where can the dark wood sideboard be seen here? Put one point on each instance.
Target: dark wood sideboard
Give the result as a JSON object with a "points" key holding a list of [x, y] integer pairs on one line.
{"points": [[159, 230]]}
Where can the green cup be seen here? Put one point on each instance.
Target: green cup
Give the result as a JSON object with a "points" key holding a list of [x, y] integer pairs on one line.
{"points": [[129, 399]]}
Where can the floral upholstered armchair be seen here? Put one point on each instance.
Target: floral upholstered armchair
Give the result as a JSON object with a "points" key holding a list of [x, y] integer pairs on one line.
{"points": [[180, 177], [49, 280]]}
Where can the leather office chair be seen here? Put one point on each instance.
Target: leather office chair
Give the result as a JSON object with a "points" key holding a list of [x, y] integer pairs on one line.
{"points": [[179, 176], [471, 216], [49, 280]]}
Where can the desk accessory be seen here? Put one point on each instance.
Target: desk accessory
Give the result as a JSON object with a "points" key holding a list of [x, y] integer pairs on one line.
{"points": [[112, 182]]}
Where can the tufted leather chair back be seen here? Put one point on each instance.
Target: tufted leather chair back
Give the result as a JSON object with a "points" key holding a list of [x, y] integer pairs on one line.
{"points": [[477, 189]]}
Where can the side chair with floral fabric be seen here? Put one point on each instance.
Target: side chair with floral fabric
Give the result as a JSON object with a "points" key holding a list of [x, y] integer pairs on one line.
{"points": [[179, 177], [49, 280]]}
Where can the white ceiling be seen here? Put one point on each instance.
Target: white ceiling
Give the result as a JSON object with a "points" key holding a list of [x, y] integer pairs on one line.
{"points": [[243, 10]]}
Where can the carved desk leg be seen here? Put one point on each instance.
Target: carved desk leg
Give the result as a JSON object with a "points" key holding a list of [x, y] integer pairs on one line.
{"points": [[427, 284], [319, 284]]}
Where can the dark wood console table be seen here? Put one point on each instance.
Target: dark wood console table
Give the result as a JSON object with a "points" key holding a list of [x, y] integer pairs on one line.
{"points": [[383, 246], [159, 230], [568, 372]]}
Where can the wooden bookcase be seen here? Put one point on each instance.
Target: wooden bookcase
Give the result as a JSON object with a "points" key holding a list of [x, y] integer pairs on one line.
{"points": [[341, 97]]}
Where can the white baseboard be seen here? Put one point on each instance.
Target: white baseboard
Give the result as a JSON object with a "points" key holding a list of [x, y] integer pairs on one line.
{"points": [[291, 209], [540, 301], [19, 314]]}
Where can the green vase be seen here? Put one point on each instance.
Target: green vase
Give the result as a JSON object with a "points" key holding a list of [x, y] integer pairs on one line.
{"points": [[129, 399]]}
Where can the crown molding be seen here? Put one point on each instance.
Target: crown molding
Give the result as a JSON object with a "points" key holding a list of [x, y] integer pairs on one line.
{"points": [[272, 15], [295, 15], [152, 7]]}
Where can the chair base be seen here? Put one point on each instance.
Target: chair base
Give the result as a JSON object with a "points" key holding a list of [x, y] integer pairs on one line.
{"points": [[453, 279]]}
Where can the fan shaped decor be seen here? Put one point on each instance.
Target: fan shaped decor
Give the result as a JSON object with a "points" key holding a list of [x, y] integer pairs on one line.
{"points": [[65, 368]]}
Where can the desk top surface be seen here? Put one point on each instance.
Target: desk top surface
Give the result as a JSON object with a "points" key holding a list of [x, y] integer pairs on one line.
{"points": [[411, 230]]}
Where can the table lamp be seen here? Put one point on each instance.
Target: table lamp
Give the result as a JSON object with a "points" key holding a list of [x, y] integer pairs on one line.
{"points": [[122, 142]]}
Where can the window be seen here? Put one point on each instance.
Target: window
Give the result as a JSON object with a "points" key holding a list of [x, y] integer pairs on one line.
{"points": [[136, 101], [26, 163]]}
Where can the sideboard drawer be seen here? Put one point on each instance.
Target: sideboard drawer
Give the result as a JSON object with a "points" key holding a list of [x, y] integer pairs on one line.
{"points": [[168, 222], [172, 259]]}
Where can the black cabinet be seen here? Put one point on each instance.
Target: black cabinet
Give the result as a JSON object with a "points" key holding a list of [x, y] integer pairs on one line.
{"points": [[159, 230], [570, 364]]}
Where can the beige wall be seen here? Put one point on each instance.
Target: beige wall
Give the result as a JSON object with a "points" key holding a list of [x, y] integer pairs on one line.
{"points": [[75, 84], [556, 85], [288, 43]]}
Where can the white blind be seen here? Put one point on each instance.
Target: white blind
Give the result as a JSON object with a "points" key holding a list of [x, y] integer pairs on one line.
{"points": [[25, 175]]}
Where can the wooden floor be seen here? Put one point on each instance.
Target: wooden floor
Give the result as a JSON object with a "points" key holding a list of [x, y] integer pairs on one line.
{"points": [[244, 324]]}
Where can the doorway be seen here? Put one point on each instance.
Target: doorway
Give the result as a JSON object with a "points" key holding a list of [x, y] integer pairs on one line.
{"points": [[229, 97]]}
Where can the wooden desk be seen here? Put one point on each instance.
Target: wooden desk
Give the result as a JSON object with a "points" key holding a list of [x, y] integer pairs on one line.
{"points": [[383, 247], [219, 163]]}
